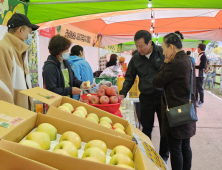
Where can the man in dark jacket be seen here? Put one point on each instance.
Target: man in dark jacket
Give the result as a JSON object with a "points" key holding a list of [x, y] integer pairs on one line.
{"points": [[145, 63], [199, 69]]}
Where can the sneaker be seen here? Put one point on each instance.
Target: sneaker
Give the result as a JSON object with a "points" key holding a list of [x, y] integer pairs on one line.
{"points": [[200, 104]]}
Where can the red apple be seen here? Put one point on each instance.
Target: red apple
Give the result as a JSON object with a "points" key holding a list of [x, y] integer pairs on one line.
{"points": [[111, 91], [104, 100], [103, 87], [113, 100], [101, 92], [119, 98], [93, 99]]}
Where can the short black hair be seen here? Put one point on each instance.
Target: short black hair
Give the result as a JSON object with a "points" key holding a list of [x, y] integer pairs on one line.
{"points": [[202, 47], [58, 44], [188, 52], [143, 34], [76, 50], [13, 30], [173, 39], [180, 34], [113, 58]]}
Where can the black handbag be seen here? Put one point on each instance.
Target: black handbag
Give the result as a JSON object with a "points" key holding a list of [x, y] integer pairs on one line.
{"points": [[183, 114]]}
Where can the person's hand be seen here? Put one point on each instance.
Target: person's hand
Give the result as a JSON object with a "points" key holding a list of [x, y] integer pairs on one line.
{"points": [[76, 90], [84, 86], [170, 57], [122, 96]]}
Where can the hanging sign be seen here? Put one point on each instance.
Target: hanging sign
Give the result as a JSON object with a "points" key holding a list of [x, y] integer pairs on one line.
{"points": [[9, 7]]}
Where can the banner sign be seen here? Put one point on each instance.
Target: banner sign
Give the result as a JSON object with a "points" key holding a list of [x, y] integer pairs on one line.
{"points": [[48, 32], [74, 34], [115, 48], [79, 36], [9, 7]]}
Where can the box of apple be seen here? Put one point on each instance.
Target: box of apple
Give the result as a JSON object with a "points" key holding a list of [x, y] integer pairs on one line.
{"points": [[103, 121], [70, 144]]}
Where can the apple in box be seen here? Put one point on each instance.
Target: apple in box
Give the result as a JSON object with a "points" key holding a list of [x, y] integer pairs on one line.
{"points": [[113, 100], [104, 100], [101, 92], [103, 87], [111, 91], [93, 99]]}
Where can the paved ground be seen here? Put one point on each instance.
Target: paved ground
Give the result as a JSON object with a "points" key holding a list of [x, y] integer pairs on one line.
{"points": [[207, 143]]}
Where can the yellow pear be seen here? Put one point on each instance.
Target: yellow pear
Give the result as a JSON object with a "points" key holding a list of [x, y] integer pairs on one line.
{"points": [[30, 143], [79, 113], [118, 125], [72, 137], [41, 138], [91, 159], [69, 106], [92, 119], [121, 159], [106, 126], [96, 153], [83, 109], [105, 123], [94, 116], [88, 84], [124, 166], [97, 143], [106, 119], [120, 130], [122, 149], [64, 108], [68, 146], [49, 129], [62, 152]]}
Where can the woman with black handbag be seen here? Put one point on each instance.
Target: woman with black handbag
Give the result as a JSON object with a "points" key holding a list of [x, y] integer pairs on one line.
{"points": [[177, 77]]}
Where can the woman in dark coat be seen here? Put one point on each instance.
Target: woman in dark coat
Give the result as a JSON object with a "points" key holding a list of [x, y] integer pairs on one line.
{"points": [[174, 75], [58, 75]]}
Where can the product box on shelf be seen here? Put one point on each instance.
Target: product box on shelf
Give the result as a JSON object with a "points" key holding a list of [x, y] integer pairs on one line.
{"points": [[56, 100], [19, 122]]}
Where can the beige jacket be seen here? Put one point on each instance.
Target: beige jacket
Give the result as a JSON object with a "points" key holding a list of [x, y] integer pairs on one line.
{"points": [[14, 73]]}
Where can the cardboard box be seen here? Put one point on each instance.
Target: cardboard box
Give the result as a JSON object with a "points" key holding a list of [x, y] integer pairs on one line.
{"points": [[11, 161], [32, 120], [59, 100]]}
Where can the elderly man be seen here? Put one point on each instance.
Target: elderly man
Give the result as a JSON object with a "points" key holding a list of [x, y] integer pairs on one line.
{"points": [[14, 73]]}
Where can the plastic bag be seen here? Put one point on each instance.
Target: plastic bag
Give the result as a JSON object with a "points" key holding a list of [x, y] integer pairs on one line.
{"points": [[112, 71]]}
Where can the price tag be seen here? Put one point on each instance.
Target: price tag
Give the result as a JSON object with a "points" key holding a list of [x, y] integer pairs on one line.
{"points": [[5, 124]]}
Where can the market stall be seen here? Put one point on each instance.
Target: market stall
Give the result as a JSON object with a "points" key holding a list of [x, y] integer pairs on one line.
{"points": [[94, 30]]}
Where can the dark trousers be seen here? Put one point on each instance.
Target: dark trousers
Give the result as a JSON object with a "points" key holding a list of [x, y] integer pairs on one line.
{"points": [[149, 104], [180, 153], [199, 88]]}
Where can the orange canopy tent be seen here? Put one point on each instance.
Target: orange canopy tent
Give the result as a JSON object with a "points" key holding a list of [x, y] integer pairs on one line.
{"points": [[119, 27]]}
